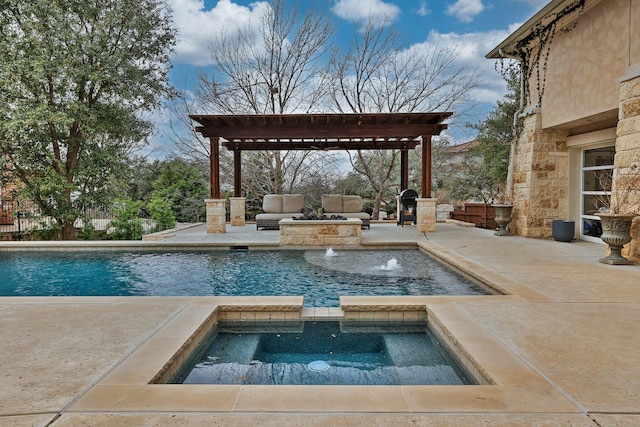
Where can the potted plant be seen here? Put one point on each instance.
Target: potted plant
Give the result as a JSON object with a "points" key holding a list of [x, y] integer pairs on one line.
{"points": [[617, 211]]}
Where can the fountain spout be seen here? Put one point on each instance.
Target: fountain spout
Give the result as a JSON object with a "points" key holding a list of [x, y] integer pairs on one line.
{"points": [[330, 253]]}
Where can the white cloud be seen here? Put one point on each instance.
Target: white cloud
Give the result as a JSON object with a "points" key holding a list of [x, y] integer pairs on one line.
{"points": [[424, 9], [471, 49], [362, 10], [197, 26], [465, 10]]}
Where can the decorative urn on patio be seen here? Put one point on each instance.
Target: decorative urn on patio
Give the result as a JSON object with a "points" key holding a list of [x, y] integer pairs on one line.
{"points": [[618, 210], [616, 232], [503, 218]]}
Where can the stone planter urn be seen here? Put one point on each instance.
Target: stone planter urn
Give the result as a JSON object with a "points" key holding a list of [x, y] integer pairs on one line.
{"points": [[503, 219], [616, 232]]}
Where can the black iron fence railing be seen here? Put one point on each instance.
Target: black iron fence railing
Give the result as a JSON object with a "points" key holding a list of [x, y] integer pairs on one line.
{"points": [[18, 221]]}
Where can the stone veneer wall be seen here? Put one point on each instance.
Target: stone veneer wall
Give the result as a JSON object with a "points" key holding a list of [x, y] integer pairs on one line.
{"points": [[237, 208], [338, 234], [216, 216], [628, 144], [426, 215], [540, 179]]}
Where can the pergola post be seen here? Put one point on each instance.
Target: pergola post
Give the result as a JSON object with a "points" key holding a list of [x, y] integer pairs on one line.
{"points": [[426, 206], [404, 169], [214, 165], [426, 166], [237, 173]]}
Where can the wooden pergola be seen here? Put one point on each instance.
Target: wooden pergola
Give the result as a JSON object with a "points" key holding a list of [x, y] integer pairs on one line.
{"points": [[383, 131]]}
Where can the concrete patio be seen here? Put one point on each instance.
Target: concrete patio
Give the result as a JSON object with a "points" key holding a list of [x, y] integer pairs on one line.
{"points": [[560, 347]]}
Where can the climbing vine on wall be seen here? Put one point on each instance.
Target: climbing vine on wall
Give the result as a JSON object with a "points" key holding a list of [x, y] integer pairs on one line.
{"points": [[533, 50]]}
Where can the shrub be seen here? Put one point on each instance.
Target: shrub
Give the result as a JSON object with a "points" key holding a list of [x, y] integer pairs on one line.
{"points": [[127, 224]]}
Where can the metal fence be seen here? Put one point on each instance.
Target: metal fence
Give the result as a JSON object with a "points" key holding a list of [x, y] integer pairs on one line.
{"points": [[18, 221]]}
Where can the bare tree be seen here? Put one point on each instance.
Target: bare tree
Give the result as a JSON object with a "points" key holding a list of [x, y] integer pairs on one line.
{"points": [[276, 67], [378, 75], [191, 145]]}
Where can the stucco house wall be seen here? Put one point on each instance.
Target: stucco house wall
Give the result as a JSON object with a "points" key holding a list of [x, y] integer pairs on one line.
{"points": [[590, 97], [585, 65]]}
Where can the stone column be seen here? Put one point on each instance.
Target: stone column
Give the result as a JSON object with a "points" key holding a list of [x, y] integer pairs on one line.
{"points": [[539, 179], [426, 215], [628, 142], [216, 216], [237, 210]]}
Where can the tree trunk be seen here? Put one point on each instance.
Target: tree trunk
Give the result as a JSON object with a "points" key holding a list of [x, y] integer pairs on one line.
{"points": [[376, 205], [68, 231]]}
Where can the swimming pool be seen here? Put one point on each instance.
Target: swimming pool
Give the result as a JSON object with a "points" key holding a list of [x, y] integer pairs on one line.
{"points": [[320, 276]]}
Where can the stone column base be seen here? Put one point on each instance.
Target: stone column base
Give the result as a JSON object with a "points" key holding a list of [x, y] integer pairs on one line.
{"points": [[426, 215], [237, 210], [216, 216]]}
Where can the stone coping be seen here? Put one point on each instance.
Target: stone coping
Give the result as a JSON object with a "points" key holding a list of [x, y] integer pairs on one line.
{"points": [[290, 221], [507, 383]]}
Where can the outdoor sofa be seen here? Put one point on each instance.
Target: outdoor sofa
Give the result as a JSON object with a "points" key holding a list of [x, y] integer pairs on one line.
{"points": [[279, 206], [346, 206]]}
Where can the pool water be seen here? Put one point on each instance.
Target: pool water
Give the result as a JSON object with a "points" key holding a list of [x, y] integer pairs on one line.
{"points": [[324, 353], [320, 276]]}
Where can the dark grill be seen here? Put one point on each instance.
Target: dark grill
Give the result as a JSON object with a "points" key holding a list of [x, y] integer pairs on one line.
{"points": [[408, 206]]}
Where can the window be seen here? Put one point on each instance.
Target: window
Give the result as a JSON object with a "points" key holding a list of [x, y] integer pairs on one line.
{"points": [[596, 172]]}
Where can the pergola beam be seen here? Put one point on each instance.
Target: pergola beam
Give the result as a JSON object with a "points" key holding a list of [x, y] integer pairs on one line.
{"points": [[310, 131], [301, 131], [251, 145]]}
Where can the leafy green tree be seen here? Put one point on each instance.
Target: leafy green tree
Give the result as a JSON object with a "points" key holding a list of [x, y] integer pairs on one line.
{"points": [[353, 183], [161, 213], [127, 224], [483, 173], [488, 162], [142, 174], [184, 187], [75, 76]]}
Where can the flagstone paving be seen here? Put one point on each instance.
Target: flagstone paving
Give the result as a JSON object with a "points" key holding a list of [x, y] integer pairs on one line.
{"points": [[570, 328]]}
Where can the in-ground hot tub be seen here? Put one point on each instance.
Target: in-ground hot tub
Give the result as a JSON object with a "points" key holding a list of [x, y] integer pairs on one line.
{"points": [[322, 353]]}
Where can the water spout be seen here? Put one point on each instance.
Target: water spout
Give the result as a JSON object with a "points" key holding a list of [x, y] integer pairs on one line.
{"points": [[392, 264], [330, 253]]}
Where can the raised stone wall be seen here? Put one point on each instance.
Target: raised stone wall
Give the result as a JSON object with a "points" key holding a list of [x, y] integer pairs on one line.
{"points": [[321, 233], [628, 144], [540, 179], [443, 212]]}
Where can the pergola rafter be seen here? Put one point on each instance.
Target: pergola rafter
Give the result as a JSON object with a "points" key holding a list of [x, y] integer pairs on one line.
{"points": [[383, 131]]}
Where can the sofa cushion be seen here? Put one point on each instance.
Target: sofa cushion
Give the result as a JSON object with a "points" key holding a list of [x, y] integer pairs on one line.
{"points": [[292, 203], [272, 203], [332, 203], [276, 217], [351, 204], [359, 215]]}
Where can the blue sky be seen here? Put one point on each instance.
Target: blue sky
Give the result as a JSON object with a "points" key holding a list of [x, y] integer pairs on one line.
{"points": [[473, 27]]}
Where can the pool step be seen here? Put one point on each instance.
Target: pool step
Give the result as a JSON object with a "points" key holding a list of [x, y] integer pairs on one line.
{"points": [[418, 361]]}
